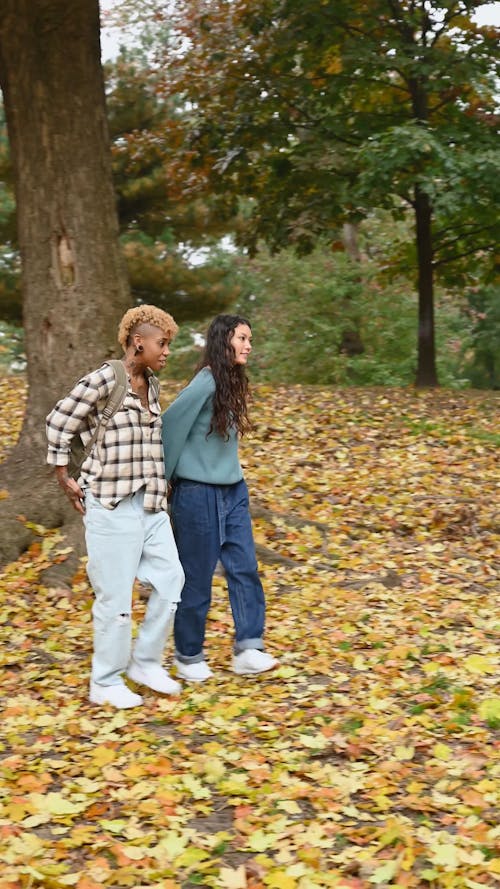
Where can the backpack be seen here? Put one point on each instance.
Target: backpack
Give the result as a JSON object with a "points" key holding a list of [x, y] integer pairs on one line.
{"points": [[79, 453]]}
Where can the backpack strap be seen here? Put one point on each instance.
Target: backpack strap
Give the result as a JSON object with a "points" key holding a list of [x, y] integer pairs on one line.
{"points": [[119, 391], [113, 403], [155, 384]]}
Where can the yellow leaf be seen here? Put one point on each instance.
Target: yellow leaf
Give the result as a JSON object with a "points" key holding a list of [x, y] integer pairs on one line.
{"points": [[213, 768], [386, 872], [431, 667], [477, 663], [36, 820], [169, 847], [135, 853], [415, 787], [85, 785], [279, 879], [285, 672], [114, 826], [494, 866], [445, 854], [103, 756], [442, 751], [259, 841], [17, 811], [112, 774], [195, 787], [315, 742], [404, 753], [489, 708], [230, 878], [134, 770], [27, 846], [55, 804], [191, 856], [290, 806]]}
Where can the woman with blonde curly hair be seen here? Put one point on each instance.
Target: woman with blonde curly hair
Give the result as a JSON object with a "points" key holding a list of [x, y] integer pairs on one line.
{"points": [[122, 495]]}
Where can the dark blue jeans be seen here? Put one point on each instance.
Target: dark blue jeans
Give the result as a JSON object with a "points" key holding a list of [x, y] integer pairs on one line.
{"points": [[212, 523]]}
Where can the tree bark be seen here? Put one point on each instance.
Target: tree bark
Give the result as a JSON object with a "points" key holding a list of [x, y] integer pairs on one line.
{"points": [[73, 278], [426, 369]]}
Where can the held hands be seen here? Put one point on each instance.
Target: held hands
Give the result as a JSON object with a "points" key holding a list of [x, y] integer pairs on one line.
{"points": [[71, 488]]}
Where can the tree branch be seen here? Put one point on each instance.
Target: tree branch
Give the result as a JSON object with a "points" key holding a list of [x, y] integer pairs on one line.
{"points": [[466, 233], [447, 259]]}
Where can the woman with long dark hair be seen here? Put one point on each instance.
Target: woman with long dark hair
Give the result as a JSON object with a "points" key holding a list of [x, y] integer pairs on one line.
{"points": [[210, 511]]}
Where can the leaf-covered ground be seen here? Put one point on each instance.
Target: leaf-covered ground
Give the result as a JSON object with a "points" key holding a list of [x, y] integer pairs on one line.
{"points": [[369, 758]]}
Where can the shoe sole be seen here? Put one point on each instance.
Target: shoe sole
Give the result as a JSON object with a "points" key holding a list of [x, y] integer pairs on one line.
{"points": [[159, 691], [190, 678], [94, 700], [255, 672]]}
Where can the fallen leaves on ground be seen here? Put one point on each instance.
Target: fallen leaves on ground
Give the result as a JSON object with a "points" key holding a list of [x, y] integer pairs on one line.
{"points": [[369, 758]]}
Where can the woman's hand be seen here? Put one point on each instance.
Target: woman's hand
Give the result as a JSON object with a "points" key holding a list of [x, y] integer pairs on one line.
{"points": [[71, 488]]}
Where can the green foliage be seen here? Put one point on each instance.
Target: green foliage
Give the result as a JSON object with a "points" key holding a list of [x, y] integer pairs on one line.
{"points": [[483, 357], [10, 284], [160, 226], [12, 356], [320, 111], [301, 307], [163, 275], [184, 353], [297, 307], [6, 196]]}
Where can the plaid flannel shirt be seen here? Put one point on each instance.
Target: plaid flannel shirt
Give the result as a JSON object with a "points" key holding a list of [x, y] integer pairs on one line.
{"points": [[130, 455]]}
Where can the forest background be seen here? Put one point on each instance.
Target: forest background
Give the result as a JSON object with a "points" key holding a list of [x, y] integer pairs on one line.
{"points": [[370, 757], [323, 307]]}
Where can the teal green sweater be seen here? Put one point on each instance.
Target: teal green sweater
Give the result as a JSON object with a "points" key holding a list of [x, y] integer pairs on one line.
{"points": [[189, 451]]}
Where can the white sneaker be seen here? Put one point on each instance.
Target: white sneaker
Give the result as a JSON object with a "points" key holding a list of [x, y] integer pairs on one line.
{"points": [[198, 672], [118, 695], [155, 677], [252, 661]]}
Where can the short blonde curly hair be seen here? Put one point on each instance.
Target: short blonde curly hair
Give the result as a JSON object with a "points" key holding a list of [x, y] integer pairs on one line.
{"points": [[145, 315]]}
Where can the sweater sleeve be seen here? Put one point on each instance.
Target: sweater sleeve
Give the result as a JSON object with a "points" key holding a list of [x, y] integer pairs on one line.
{"points": [[178, 419]]}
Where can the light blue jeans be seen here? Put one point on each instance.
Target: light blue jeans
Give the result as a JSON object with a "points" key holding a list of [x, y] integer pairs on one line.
{"points": [[124, 543]]}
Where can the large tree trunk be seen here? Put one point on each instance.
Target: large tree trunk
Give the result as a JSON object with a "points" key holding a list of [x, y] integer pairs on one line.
{"points": [[426, 370], [74, 285]]}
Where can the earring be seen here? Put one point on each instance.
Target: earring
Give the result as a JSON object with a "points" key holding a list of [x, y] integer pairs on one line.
{"points": [[138, 350]]}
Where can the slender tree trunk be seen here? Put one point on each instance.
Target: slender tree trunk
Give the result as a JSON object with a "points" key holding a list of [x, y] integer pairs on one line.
{"points": [[426, 370], [351, 342], [426, 367], [74, 285]]}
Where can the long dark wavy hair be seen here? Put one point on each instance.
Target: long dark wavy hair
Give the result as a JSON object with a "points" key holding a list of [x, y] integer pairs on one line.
{"points": [[231, 381]]}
